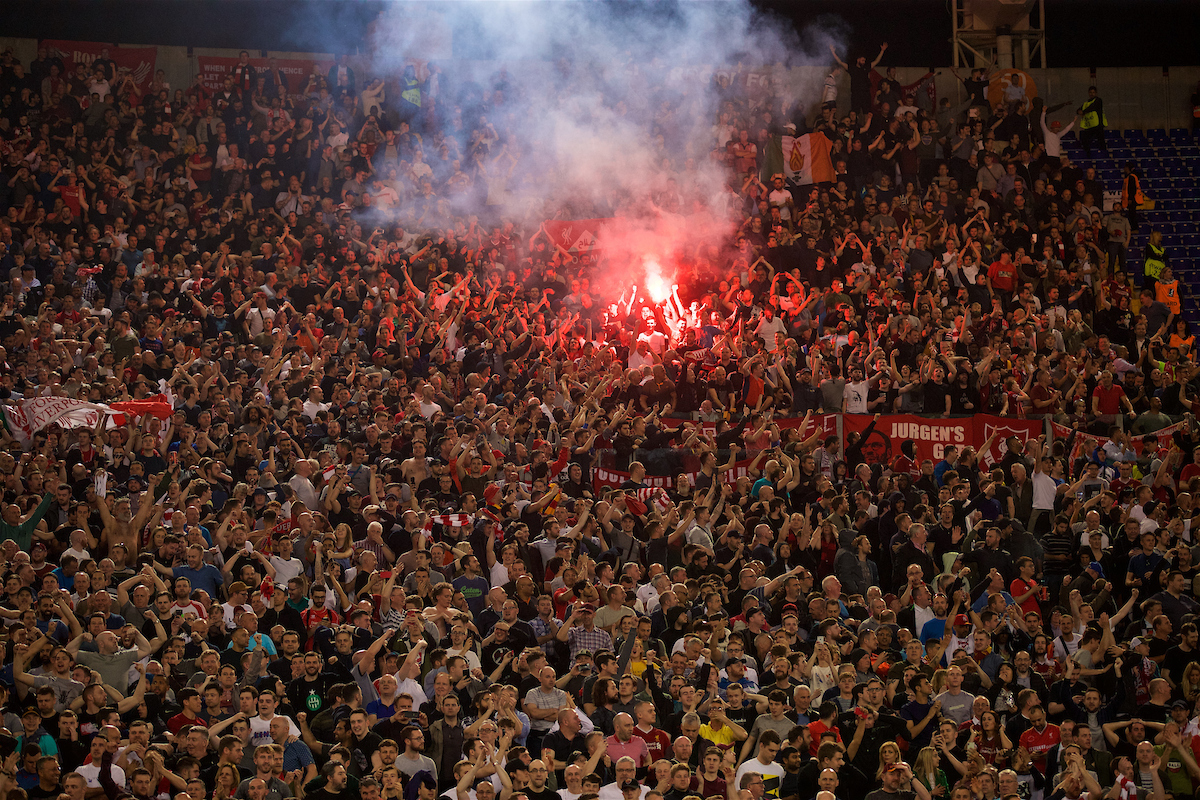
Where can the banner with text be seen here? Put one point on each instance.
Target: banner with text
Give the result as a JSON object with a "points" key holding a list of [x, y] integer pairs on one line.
{"points": [[139, 61], [579, 235], [931, 435], [1080, 447], [213, 70], [604, 478], [882, 445], [827, 424], [27, 417]]}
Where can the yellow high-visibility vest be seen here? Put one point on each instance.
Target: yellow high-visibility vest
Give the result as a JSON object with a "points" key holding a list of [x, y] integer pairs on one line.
{"points": [[1092, 119], [1155, 264], [413, 93]]}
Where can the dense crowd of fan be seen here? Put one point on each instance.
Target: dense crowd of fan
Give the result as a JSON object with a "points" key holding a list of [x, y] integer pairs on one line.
{"points": [[365, 556]]}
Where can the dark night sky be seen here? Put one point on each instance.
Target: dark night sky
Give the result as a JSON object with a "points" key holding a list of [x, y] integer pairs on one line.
{"points": [[1081, 32]]}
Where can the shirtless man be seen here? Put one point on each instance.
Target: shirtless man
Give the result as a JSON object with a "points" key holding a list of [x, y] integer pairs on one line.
{"points": [[416, 469], [121, 526]]}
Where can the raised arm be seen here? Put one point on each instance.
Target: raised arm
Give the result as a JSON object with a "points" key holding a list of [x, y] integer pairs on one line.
{"points": [[837, 60]]}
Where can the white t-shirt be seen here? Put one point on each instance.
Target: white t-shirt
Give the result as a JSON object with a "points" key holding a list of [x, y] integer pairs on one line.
{"points": [[293, 567], [649, 597], [338, 140], [230, 613], [767, 328], [91, 775], [1063, 649], [966, 643], [829, 91], [855, 395], [428, 409], [310, 409], [610, 791], [637, 361], [772, 775], [260, 730], [1084, 536], [778, 198], [260, 319], [413, 689], [1044, 490]]}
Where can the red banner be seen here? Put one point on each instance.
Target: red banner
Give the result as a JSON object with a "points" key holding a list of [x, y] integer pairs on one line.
{"points": [[579, 235], [1138, 443], [213, 69], [1003, 427], [156, 406], [139, 61], [606, 478], [931, 435]]}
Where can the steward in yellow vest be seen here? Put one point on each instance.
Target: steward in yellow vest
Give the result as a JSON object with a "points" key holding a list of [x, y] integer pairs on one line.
{"points": [[1092, 123]]}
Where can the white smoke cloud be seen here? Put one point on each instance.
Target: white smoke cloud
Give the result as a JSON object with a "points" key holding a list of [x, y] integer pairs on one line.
{"points": [[609, 108]]}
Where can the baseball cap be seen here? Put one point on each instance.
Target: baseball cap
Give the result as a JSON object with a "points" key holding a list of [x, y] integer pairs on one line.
{"points": [[630, 785], [1096, 568], [588, 607], [962, 619], [1136, 642]]}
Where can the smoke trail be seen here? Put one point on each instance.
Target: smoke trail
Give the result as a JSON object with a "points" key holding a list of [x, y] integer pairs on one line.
{"points": [[608, 110]]}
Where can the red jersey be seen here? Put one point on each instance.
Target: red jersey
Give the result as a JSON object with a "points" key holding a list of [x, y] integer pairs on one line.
{"points": [[1039, 744], [903, 464], [1048, 669], [70, 196], [1019, 587], [177, 722], [313, 615], [817, 728], [1110, 398], [706, 788], [1016, 405], [657, 742], [1003, 276], [1115, 486], [561, 602]]}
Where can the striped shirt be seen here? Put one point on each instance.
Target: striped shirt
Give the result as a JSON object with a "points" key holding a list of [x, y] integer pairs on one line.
{"points": [[539, 698]]}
